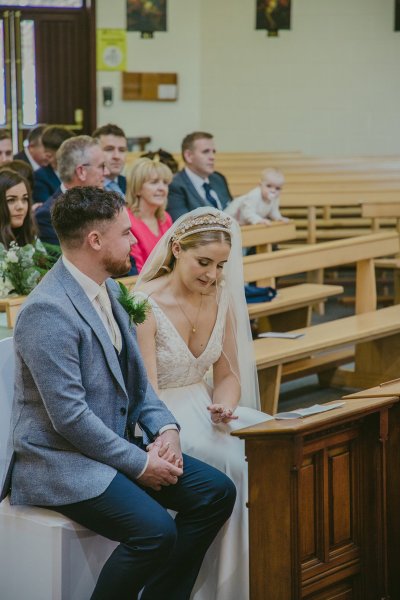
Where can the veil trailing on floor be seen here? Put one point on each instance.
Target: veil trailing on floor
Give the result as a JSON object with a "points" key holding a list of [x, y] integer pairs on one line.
{"points": [[239, 352]]}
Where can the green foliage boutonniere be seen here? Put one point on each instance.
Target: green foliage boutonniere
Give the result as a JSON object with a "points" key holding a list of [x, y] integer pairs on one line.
{"points": [[136, 309]]}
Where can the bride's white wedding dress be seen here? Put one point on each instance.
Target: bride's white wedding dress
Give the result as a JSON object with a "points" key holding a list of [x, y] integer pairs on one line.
{"points": [[182, 386]]}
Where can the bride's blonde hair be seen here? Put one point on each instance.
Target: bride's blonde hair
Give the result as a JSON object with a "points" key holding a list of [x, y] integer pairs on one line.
{"points": [[192, 240]]}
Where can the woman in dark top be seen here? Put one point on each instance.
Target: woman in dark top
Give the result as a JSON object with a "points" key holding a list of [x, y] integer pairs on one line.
{"points": [[16, 224]]}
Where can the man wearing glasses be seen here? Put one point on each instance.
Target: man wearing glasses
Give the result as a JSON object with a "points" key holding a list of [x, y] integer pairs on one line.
{"points": [[81, 162]]}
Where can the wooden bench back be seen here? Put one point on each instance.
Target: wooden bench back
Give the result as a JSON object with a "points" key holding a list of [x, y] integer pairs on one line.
{"points": [[381, 209], [361, 250], [262, 236], [338, 198]]}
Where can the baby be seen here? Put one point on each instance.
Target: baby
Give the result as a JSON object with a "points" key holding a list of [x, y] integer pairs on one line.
{"points": [[260, 205]]}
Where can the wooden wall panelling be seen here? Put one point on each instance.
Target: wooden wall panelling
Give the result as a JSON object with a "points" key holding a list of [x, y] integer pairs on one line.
{"points": [[162, 87]]}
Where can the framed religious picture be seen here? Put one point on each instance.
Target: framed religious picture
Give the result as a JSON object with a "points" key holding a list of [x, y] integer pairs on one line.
{"points": [[146, 16], [397, 16], [273, 15]]}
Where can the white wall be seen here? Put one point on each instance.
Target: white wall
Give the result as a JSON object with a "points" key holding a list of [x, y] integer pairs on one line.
{"points": [[329, 86], [174, 51]]}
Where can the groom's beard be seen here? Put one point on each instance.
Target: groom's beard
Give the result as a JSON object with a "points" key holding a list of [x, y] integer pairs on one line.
{"points": [[117, 268]]}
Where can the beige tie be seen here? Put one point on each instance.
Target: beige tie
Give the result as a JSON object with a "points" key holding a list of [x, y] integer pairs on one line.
{"points": [[105, 305]]}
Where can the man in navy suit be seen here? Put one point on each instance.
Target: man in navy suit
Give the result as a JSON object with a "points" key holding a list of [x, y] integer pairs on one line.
{"points": [[47, 178], [197, 184], [113, 142], [81, 393], [34, 153], [81, 163]]}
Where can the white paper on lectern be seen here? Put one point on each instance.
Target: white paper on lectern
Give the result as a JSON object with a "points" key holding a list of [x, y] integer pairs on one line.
{"points": [[306, 412]]}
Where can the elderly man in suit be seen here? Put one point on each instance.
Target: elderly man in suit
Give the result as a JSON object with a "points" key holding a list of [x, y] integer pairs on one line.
{"points": [[197, 184], [81, 162], [82, 394]]}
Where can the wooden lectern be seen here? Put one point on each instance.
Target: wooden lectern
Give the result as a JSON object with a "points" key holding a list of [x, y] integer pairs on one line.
{"points": [[319, 506]]}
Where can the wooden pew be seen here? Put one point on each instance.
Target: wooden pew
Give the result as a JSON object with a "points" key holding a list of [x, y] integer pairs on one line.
{"points": [[274, 354], [11, 306], [376, 335], [323, 504], [378, 212], [263, 236], [292, 307], [362, 250], [382, 209], [328, 199], [241, 182]]}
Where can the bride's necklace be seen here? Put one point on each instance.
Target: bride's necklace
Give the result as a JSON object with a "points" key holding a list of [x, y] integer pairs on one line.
{"points": [[192, 325]]}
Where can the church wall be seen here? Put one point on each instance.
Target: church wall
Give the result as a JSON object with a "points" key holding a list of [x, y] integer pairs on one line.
{"points": [[330, 86]]}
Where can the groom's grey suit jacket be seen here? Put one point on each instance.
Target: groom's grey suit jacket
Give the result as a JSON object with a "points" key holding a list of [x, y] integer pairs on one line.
{"points": [[72, 407]]}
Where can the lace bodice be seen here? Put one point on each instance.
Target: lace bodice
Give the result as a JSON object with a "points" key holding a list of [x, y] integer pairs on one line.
{"points": [[176, 365]]}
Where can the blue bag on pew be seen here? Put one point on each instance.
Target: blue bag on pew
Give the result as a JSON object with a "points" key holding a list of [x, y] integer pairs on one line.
{"points": [[258, 294]]}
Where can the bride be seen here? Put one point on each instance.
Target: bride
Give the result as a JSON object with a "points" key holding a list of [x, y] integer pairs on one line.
{"points": [[197, 348]]}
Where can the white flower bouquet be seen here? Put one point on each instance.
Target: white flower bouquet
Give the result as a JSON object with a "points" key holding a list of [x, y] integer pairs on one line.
{"points": [[22, 267]]}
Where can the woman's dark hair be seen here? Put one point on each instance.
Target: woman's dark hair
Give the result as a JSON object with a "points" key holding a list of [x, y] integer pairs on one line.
{"points": [[163, 157], [21, 167], [79, 208], [25, 234]]}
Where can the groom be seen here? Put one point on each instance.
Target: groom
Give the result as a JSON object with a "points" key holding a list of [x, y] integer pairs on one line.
{"points": [[81, 394]]}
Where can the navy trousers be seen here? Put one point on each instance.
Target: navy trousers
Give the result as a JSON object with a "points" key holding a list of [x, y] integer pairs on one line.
{"points": [[156, 552]]}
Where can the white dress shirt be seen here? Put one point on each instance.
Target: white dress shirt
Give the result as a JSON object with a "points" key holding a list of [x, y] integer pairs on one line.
{"points": [[35, 166], [91, 289]]}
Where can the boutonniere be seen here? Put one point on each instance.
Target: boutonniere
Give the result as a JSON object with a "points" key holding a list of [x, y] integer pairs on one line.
{"points": [[136, 309]]}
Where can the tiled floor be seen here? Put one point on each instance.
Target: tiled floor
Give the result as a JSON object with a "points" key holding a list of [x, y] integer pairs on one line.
{"points": [[307, 391]]}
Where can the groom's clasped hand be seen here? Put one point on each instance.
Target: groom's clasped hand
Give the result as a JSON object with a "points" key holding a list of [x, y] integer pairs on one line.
{"points": [[165, 464]]}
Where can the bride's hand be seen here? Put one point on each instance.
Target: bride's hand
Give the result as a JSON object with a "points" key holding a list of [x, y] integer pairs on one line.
{"points": [[221, 413]]}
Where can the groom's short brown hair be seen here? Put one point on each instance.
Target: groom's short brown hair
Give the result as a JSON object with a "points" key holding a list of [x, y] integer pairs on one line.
{"points": [[80, 207]]}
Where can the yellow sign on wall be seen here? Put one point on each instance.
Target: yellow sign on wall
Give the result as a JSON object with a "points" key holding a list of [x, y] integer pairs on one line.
{"points": [[111, 50]]}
